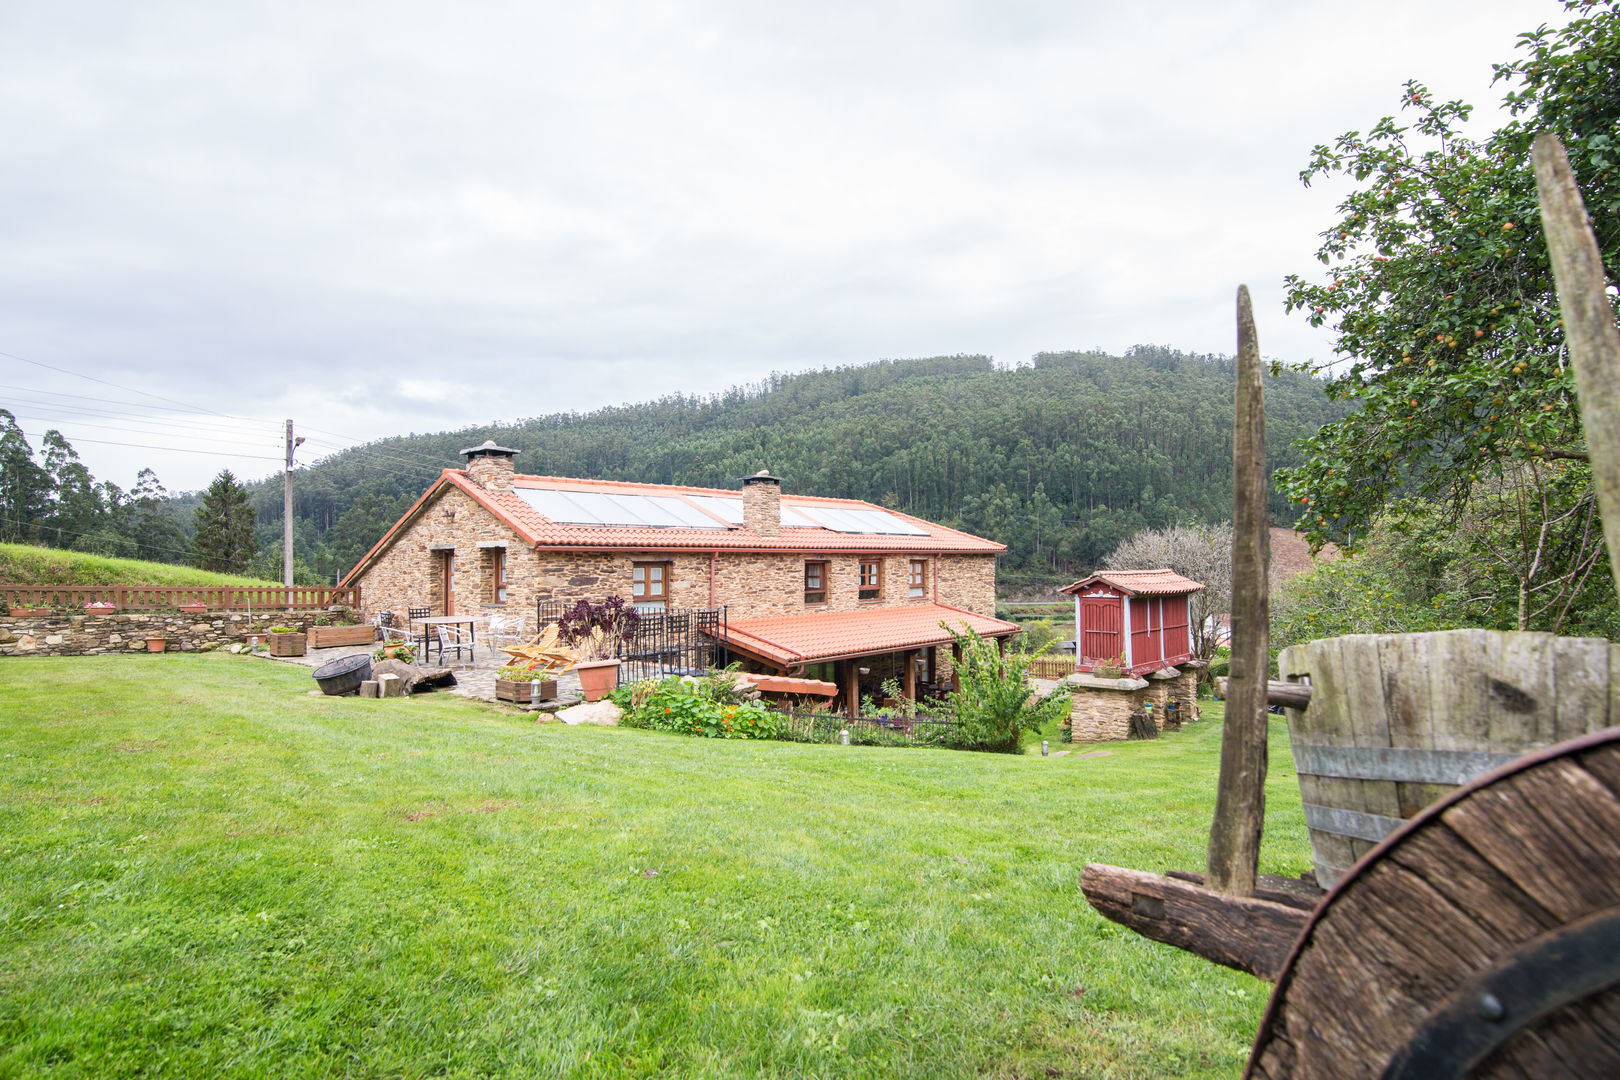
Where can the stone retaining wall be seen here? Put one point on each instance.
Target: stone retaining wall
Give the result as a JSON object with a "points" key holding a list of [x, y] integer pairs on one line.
{"points": [[99, 635]]}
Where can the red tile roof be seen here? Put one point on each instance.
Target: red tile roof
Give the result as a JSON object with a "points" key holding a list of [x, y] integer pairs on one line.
{"points": [[1139, 582], [792, 640], [541, 532]]}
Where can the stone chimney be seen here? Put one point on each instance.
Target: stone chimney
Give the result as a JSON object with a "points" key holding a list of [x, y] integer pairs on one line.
{"points": [[762, 503], [490, 466]]}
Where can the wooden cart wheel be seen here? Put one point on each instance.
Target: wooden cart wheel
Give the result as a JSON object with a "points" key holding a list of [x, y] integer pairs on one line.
{"points": [[1481, 940]]}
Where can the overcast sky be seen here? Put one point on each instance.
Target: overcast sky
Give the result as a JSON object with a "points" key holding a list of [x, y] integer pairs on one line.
{"points": [[393, 217]]}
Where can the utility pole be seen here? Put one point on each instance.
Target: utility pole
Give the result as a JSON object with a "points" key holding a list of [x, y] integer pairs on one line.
{"points": [[286, 510]]}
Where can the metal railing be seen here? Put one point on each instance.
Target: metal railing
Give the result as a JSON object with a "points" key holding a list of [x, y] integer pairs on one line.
{"points": [[665, 643], [828, 727]]}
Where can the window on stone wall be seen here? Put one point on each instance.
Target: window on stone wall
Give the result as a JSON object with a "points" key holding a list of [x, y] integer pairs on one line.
{"points": [[649, 586], [815, 583], [871, 579], [917, 582], [497, 576]]}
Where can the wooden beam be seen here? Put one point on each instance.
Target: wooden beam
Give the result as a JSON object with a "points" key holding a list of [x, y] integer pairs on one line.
{"points": [[1241, 932], [1240, 797], [852, 688], [909, 686], [1288, 695], [933, 665], [1594, 343]]}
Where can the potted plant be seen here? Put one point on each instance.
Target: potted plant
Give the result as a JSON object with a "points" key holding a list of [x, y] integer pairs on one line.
{"points": [[193, 609], [395, 650], [595, 632], [286, 641], [325, 634], [25, 611], [100, 607], [156, 643], [515, 683]]}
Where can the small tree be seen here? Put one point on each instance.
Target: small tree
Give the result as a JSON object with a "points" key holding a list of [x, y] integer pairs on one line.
{"points": [[224, 540], [1202, 553], [993, 704]]}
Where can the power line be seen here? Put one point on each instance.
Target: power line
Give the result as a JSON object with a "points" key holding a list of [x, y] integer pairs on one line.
{"points": [[179, 450], [115, 386]]}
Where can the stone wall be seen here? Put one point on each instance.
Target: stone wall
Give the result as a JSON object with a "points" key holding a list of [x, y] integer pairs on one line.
{"points": [[751, 585], [126, 632], [1101, 709]]}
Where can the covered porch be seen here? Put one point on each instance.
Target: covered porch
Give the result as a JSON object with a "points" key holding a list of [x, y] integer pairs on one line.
{"points": [[855, 648]]}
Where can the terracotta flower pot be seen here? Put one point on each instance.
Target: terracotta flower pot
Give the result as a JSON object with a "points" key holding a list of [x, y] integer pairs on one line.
{"points": [[597, 677], [27, 612], [100, 609], [193, 609], [156, 644]]}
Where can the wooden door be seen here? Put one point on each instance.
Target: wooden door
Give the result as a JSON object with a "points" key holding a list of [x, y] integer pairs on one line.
{"points": [[1099, 628], [1177, 643], [447, 581], [1145, 631]]}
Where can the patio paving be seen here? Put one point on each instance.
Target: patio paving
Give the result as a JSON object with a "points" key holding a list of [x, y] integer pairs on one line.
{"points": [[475, 678]]}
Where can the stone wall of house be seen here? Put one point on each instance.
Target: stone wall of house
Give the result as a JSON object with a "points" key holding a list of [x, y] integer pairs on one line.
{"points": [[126, 632], [751, 585]]}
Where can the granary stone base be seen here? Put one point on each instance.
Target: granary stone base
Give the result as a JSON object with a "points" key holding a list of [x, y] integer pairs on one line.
{"points": [[1101, 709], [126, 632]]}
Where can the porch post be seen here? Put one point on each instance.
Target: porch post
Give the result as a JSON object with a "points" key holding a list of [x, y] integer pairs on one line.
{"points": [[910, 684], [852, 688], [933, 664], [956, 664]]}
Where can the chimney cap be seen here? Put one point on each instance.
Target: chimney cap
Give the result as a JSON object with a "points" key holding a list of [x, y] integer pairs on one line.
{"points": [[488, 449], [762, 477]]}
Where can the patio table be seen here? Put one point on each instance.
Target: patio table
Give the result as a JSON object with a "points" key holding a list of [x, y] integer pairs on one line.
{"points": [[446, 620]]}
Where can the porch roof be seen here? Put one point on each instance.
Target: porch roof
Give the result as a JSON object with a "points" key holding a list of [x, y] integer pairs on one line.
{"points": [[793, 640]]}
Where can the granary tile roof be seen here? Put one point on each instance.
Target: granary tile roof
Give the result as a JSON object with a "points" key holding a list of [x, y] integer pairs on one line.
{"points": [[792, 640], [1163, 582], [541, 532]]}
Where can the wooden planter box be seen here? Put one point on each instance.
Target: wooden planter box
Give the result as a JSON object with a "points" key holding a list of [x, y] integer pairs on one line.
{"points": [[27, 612], [327, 637], [518, 692], [285, 644]]}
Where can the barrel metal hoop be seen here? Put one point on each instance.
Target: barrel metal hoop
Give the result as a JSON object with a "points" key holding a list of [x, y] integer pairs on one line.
{"points": [[1352, 823], [1398, 763], [1562, 966]]}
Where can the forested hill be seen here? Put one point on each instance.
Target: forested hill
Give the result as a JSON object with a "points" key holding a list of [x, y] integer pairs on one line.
{"points": [[1060, 460]]}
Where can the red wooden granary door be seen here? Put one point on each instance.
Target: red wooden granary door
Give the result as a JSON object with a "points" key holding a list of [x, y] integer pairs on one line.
{"points": [[1099, 628], [1147, 632], [1176, 648]]}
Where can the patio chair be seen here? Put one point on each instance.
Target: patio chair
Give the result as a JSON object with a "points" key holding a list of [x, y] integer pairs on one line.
{"points": [[416, 613], [506, 626], [454, 637], [388, 632]]}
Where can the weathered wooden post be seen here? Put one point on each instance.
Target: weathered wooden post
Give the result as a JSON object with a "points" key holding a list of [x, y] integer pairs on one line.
{"points": [[1594, 343], [1240, 799]]}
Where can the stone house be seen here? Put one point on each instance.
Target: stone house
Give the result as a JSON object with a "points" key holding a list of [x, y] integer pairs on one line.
{"points": [[834, 589]]}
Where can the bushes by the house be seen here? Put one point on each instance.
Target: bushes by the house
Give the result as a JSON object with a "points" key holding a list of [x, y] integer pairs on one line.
{"points": [[993, 705], [711, 706]]}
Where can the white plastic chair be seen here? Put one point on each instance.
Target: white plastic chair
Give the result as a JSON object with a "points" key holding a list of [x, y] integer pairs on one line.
{"points": [[506, 626], [454, 637], [391, 635]]}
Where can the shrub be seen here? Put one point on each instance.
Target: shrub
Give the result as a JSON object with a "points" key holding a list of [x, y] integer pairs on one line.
{"points": [[992, 706], [703, 706]]}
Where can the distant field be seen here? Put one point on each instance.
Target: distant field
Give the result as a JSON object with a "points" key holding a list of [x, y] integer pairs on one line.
{"points": [[205, 872], [22, 564]]}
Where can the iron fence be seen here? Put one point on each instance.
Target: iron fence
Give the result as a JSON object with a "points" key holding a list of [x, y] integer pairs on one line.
{"points": [[827, 727], [663, 643]]}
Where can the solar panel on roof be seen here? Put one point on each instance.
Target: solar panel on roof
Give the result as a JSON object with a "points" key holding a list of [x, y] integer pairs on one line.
{"points": [[730, 508], [603, 508], [838, 519]]}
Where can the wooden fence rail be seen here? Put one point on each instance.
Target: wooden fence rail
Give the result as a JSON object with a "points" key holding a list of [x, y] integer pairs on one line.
{"points": [[160, 597], [1052, 667]]}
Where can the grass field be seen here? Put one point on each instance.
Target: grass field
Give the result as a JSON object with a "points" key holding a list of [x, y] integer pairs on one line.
{"points": [[24, 564], [206, 872]]}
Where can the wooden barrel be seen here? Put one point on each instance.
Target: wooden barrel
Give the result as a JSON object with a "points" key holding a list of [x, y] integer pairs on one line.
{"points": [[1396, 721]]}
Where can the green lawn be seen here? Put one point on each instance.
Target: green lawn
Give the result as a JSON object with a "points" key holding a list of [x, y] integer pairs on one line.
{"points": [[206, 872]]}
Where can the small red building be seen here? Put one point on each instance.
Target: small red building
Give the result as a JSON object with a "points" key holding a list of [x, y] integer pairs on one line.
{"points": [[1137, 620]]}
